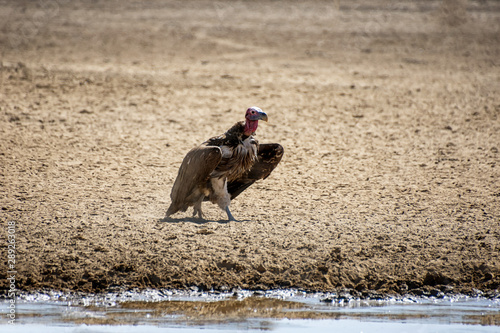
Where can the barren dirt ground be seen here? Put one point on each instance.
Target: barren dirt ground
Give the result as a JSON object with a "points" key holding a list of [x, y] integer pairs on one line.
{"points": [[389, 113]]}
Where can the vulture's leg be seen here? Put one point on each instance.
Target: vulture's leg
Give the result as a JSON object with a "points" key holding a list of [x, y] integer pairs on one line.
{"points": [[221, 196], [230, 216], [197, 211], [197, 208]]}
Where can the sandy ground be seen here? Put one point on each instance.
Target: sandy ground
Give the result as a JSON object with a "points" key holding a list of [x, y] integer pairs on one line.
{"points": [[389, 114]]}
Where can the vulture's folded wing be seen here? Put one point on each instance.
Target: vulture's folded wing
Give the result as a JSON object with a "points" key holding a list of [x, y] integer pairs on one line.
{"points": [[269, 155], [193, 174]]}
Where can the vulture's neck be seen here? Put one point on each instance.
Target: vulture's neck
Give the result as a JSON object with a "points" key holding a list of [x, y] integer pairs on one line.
{"points": [[250, 127]]}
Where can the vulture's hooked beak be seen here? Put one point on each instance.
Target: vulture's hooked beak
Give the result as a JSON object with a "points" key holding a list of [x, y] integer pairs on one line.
{"points": [[260, 115], [264, 117]]}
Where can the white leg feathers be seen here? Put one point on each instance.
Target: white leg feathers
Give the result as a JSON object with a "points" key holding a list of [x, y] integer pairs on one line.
{"points": [[221, 196]]}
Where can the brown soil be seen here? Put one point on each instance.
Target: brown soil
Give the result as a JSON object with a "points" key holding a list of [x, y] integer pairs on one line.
{"points": [[389, 114]]}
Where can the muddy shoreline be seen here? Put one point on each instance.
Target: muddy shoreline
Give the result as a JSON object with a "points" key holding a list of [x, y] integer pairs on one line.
{"points": [[389, 117]]}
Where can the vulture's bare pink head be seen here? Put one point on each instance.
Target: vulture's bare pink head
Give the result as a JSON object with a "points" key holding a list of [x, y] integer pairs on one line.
{"points": [[252, 117]]}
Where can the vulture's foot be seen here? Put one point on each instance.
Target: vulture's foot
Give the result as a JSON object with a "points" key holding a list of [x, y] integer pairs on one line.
{"points": [[197, 208], [197, 211], [230, 216]]}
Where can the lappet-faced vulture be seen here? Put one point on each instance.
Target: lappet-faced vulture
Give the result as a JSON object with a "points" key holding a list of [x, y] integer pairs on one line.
{"points": [[224, 166]]}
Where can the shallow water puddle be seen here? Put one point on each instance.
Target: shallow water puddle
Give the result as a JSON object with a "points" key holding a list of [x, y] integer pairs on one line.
{"points": [[279, 311]]}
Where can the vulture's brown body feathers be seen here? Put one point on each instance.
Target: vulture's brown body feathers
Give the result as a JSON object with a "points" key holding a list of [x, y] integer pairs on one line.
{"points": [[224, 166]]}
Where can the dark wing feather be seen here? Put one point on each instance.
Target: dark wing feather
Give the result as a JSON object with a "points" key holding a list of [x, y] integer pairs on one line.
{"points": [[192, 178], [269, 155]]}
